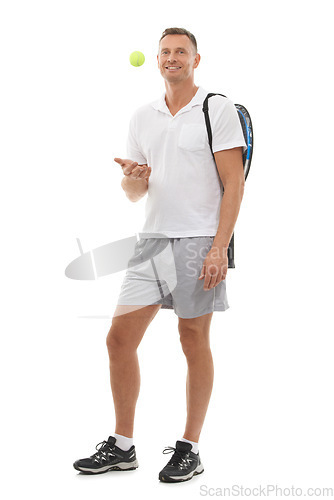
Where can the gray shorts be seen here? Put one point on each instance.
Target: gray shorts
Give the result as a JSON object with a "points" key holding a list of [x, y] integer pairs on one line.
{"points": [[166, 271]]}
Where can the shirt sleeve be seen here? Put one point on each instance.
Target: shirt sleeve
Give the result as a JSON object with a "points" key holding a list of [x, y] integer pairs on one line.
{"points": [[134, 152], [225, 123]]}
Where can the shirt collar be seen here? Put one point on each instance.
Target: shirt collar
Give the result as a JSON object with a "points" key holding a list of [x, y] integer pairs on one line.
{"points": [[198, 98]]}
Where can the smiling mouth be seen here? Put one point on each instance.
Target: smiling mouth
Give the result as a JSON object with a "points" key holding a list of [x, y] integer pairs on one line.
{"points": [[173, 68]]}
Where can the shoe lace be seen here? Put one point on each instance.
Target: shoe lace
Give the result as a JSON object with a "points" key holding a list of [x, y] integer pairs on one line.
{"points": [[177, 457], [102, 450]]}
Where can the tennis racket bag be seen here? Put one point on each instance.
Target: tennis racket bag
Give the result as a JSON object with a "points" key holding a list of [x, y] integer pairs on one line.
{"points": [[247, 129]]}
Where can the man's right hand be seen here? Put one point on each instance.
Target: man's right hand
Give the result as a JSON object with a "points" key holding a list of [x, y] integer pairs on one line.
{"points": [[133, 170]]}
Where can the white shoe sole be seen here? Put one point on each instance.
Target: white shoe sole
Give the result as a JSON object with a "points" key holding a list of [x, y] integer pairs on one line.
{"points": [[199, 469], [119, 466]]}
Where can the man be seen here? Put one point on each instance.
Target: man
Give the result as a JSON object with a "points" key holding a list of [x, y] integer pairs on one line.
{"points": [[171, 161]]}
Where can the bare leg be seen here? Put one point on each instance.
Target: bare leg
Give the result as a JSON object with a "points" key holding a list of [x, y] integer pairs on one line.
{"points": [[124, 337], [194, 337]]}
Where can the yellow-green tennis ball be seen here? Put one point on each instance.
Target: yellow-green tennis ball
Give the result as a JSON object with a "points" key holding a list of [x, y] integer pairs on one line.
{"points": [[137, 58]]}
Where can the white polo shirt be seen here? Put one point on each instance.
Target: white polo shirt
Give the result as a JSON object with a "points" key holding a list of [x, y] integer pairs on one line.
{"points": [[184, 190]]}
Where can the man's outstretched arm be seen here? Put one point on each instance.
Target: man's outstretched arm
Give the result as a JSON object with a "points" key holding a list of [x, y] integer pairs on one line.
{"points": [[135, 180]]}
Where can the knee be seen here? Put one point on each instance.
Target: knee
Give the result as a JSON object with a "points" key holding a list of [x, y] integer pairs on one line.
{"points": [[116, 342], [111, 341], [192, 342]]}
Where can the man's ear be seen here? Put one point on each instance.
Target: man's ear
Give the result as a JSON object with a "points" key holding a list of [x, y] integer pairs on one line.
{"points": [[197, 60]]}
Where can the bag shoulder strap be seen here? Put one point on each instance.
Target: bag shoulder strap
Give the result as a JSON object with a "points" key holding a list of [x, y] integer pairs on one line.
{"points": [[207, 119]]}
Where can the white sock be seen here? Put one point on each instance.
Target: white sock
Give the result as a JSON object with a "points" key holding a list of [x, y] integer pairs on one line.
{"points": [[123, 442], [194, 448]]}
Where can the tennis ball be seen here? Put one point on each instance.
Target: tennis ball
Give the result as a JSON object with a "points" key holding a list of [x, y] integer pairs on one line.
{"points": [[137, 58]]}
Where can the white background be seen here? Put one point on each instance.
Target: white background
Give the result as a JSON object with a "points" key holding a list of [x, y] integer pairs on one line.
{"points": [[67, 94]]}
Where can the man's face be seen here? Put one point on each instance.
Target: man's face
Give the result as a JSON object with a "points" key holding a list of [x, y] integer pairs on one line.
{"points": [[176, 58]]}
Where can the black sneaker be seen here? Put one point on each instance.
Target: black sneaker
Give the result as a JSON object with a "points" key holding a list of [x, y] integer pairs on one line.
{"points": [[108, 457], [183, 465]]}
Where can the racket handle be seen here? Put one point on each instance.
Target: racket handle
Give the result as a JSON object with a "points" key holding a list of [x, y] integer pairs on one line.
{"points": [[230, 253]]}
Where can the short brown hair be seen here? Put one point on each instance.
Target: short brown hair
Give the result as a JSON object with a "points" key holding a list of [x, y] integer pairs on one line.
{"points": [[180, 31]]}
